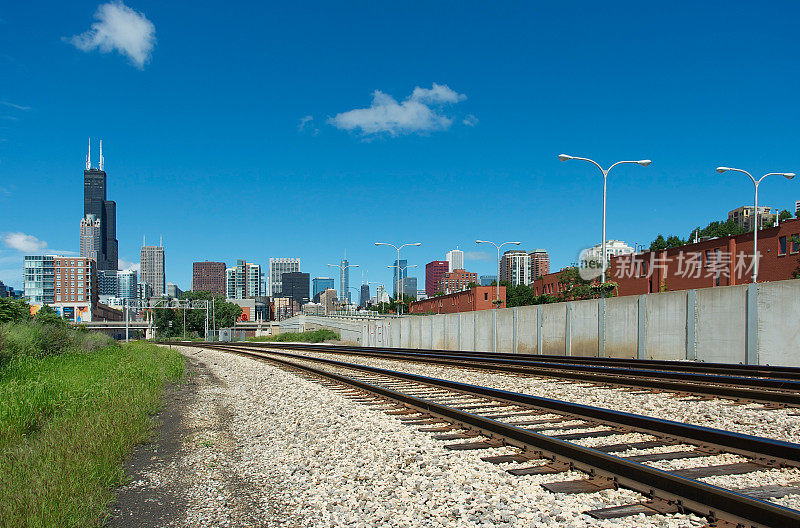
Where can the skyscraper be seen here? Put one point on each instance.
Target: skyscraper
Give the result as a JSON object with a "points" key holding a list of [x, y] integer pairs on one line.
{"points": [[540, 263], [295, 285], [433, 272], [400, 272], [364, 295], [277, 267], [455, 259], [209, 276], [95, 203], [243, 281], [152, 262], [410, 287], [320, 284], [515, 267], [91, 237], [344, 280], [127, 284]]}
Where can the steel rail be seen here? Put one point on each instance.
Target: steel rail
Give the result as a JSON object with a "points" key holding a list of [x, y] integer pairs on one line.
{"points": [[691, 495], [766, 371], [753, 389]]}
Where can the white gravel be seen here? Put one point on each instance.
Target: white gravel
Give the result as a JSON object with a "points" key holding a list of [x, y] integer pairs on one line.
{"points": [[311, 457], [780, 424]]}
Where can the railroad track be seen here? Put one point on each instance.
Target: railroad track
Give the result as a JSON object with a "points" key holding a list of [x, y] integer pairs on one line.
{"points": [[771, 386], [547, 436]]}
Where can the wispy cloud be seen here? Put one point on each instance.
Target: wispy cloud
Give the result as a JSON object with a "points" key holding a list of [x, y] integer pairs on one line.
{"points": [[23, 243], [9, 118], [307, 123], [12, 105], [478, 255], [419, 113], [126, 265], [120, 28], [470, 120]]}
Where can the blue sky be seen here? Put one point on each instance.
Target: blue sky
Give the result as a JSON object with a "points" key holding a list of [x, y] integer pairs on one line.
{"points": [[202, 111]]}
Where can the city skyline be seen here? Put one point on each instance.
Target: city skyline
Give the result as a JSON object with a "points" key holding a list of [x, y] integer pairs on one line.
{"points": [[495, 132]]}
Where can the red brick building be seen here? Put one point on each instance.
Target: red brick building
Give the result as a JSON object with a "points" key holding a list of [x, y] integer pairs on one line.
{"points": [[433, 272], [540, 263], [75, 280], [456, 280], [478, 298], [209, 276], [724, 261]]}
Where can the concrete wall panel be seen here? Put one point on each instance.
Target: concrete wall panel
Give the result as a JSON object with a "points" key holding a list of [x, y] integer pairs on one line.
{"points": [[554, 329], [484, 334], [452, 331], [665, 336], [583, 328], [721, 321], [621, 327], [437, 325], [527, 330], [505, 330], [778, 323], [467, 326]]}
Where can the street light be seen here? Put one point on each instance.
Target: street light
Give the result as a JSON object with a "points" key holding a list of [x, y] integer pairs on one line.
{"points": [[643, 163], [788, 176], [497, 282], [398, 255], [400, 272], [341, 269]]}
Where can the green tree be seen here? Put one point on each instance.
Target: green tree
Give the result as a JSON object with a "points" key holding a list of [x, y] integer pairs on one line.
{"points": [[14, 310], [674, 241], [658, 244], [784, 215], [48, 315]]}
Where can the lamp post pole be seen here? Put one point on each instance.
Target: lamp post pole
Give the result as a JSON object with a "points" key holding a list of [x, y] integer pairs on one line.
{"points": [[643, 163], [341, 269], [398, 260], [788, 176], [497, 282]]}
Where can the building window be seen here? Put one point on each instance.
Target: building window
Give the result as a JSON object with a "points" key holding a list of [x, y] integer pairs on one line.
{"points": [[795, 243], [782, 245], [485, 296]]}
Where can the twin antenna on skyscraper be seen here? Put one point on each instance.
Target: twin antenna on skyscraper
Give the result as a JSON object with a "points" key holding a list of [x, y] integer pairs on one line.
{"points": [[89, 155]]}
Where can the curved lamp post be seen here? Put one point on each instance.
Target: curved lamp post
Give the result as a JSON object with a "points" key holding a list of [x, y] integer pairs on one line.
{"points": [[400, 273], [643, 163], [788, 176], [497, 282], [398, 257], [341, 269]]}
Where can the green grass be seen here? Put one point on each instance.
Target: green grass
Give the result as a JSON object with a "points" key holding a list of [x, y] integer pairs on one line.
{"points": [[68, 420], [312, 336]]}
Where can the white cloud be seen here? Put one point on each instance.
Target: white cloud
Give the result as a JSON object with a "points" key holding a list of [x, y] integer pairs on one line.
{"points": [[119, 28], [124, 265], [24, 243], [470, 120], [477, 255], [438, 94], [307, 123], [12, 105], [418, 113]]}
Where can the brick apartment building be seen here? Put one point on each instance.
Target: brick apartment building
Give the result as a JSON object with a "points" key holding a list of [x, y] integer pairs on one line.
{"points": [[478, 298], [433, 272], [209, 276], [724, 261], [456, 280]]}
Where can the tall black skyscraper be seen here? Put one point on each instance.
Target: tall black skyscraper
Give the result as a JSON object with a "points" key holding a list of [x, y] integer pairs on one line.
{"points": [[94, 202]]}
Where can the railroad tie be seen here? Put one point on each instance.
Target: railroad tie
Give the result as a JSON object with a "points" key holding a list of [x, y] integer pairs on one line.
{"points": [[590, 485]]}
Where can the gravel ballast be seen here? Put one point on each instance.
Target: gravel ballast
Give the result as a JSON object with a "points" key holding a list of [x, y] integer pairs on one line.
{"points": [[304, 455]]}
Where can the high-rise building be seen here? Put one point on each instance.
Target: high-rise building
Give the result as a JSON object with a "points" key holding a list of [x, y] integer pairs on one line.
{"points": [[295, 286], [410, 287], [209, 276], [455, 259], [344, 280], [456, 281], [515, 267], [127, 282], [381, 295], [277, 267], [107, 281], [244, 281], [91, 237], [400, 272], [144, 291], [3, 291], [173, 291], [328, 300], [38, 274], [745, 219], [95, 203], [364, 297], [153, 271], [433, 272], [320, 284], [613, 248], [540, 263], [487, 280]]}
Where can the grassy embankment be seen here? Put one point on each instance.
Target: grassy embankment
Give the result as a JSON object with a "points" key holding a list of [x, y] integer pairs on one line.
{"points": [[312, 336], [72, 406]]}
